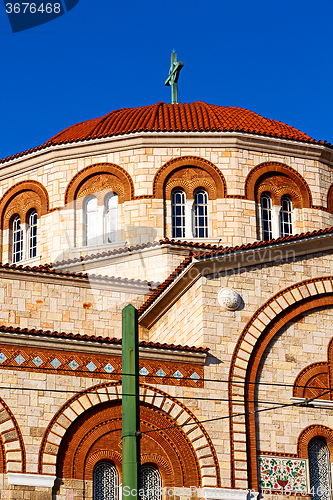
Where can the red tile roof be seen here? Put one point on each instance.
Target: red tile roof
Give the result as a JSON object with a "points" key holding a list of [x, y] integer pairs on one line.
{"points": [[135, 248], [219, 251], [48, 268], [161, 117], [102, 340]]}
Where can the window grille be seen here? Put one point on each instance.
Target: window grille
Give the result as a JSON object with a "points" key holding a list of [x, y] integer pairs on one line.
{"points": [[178, 201], [17, 246], [110, 218], [105, 482], [266, 216], [286, 227], [91, 222], [32, 234], [200, 210], [319, 468], [151, 483]]}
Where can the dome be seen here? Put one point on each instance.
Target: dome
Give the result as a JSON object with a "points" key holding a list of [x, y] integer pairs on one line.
{"points": [[161, 117]]}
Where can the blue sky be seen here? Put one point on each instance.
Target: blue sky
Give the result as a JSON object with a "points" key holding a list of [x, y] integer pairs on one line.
{"points": [[273, 58]]}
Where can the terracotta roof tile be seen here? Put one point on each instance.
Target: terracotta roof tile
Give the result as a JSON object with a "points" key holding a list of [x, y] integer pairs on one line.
{"points": [[219, 251], [135, 248], [101, 340], [161, 117]]}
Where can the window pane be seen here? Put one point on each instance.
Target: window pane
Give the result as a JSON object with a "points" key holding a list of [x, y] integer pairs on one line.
{"points": [[319, 467], [105, 482], [17, 243], [151, 483], [110, 219], [200, 211], [91, 221], [178, 214], [286, 227], [266, 216], [32, 234]]}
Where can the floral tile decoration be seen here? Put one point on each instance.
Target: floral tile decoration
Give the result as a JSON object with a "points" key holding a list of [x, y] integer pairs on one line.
{"points": [[277, 473]]}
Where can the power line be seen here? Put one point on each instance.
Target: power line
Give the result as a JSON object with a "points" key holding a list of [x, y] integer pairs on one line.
{"points": [[245, 414], [155, 376]]}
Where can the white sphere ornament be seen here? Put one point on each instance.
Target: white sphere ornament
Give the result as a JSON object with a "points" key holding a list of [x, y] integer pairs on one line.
{"points": [[229, 299]]}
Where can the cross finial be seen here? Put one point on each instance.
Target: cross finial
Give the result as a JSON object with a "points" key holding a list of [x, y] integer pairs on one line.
{"points": [[173, 76]]}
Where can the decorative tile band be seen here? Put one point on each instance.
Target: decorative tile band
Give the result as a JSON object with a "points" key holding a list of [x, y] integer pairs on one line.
{"points": [[277, 473], [99, 366]]}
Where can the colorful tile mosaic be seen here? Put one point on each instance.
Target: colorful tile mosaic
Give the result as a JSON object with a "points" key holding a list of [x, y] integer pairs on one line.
{"points": [[37, 361], [91, 366], [108, 368], [160, 373], [143, 371], [19, 359], [55, 363], [73, 364], [178, 374], [278, 473], [2, 357], [195, 376]]}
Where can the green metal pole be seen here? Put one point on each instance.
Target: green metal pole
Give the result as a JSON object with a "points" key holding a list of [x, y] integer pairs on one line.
{"points": [[130, 404]]}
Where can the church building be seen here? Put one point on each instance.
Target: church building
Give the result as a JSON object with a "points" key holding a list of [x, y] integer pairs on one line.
{"points": [[217, 225]]}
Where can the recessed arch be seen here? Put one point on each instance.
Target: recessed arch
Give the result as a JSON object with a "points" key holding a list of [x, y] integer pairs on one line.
{"points": [[157, 403], [285, 172], [98, 177], [262, 327], [314, 431], [216, 188], [12, 449], [21, 198]]}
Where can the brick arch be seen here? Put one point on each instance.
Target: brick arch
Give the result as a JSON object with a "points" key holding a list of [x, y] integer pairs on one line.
{"points": [[261, 328], [294, 182], [175, 169], [101, 176], [330, 199], [12, 450], [20, 199], [314, 431], [312, 381], [160, 407]]}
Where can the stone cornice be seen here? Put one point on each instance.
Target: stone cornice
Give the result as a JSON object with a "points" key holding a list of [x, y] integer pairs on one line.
{"points": [[221, 264], [284, 147], [86, 346]]}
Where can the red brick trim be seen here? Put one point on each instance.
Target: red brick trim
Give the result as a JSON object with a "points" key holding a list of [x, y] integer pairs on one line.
{"points": [[269, 318], [10, 432], [168, 168], [273, 328], [111, 393], [258, 172], [314, 431], [316, 376], [124, 179], [330, 199]]}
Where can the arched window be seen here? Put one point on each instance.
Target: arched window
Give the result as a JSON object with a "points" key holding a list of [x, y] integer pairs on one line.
{"points": [[110, 218], [266, 216], [32, 234], [319, 467], [200, 214], [151, 483], [91, 222], [105, 482], [178, 201], [286, 227], [17, 241]]}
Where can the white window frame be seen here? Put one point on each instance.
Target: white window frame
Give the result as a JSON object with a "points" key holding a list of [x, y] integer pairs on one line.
{"points": [[178, 206], [90, 222], [197, 217], [110, 217], [17, 240], [286, 213], [32, 234]]}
